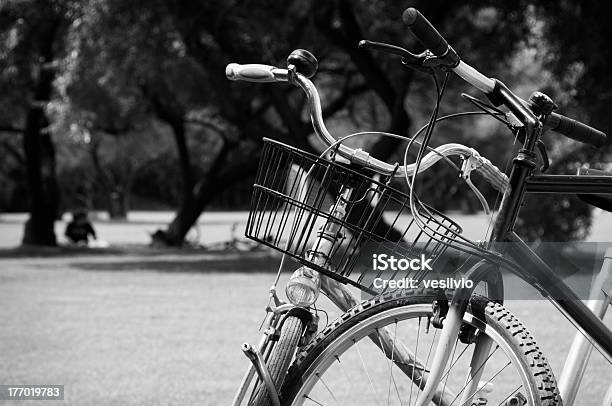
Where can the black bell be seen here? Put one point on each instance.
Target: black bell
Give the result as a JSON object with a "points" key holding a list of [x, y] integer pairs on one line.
{"points": [[305, 63], [541, 103]]}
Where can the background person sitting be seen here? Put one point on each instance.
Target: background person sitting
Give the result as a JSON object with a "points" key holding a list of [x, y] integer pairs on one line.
{"points": [[79, 229]]}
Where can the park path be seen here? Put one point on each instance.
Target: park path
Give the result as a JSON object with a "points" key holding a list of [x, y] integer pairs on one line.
{"points": [[137, 229], [217, 227]]}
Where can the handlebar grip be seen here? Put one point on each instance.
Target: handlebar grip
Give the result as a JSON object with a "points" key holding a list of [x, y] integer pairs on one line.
{"points": [[425, 32], [576, 130], [251, 72]]}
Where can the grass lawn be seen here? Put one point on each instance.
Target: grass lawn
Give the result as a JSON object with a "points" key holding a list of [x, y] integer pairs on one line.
{"points": [[129, 337], [141, 336]]}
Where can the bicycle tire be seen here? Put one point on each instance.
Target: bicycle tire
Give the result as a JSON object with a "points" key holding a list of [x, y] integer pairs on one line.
{"points": [[280, 359], [542, 383]]}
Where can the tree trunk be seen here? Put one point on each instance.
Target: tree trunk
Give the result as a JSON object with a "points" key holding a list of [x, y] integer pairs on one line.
{"points": [[117, 205], [168, 109], [187, 202], [184, 161], [116, 199], [40, 156], [220, 177], [43, 188]]}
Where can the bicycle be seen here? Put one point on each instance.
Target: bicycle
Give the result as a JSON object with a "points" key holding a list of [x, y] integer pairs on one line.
{"points": [[411, 342], [234, 244]]}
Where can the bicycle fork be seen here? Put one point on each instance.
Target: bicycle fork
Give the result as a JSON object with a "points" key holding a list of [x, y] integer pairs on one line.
{"points": [[450, 335], [344, 299], [319, 254]]}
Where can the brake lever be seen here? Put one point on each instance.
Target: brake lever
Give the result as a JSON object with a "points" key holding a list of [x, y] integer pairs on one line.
{"points": [[544, 155], [469, 164], [408, 58], [381, 46]]}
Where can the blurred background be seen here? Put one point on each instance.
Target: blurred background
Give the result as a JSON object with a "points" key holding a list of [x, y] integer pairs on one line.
{"points": [[114, 107], [122, 109]]}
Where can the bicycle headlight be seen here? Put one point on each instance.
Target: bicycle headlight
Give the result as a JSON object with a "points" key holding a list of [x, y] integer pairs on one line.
{"points": [[303, 287]]}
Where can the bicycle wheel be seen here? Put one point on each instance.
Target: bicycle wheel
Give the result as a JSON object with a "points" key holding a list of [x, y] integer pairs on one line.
{"points": [[345, 365], [279, 360]]}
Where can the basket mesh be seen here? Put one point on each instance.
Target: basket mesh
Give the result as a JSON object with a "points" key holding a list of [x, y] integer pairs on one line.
{"points": [[293, 197]]}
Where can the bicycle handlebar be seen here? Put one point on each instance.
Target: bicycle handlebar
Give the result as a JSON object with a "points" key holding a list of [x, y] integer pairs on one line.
{"points": [[435, 42], [266, 73], [576, 130], [427, 35]]}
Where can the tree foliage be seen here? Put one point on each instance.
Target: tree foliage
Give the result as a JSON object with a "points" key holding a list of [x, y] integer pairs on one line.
{"points": [[138, 102]]}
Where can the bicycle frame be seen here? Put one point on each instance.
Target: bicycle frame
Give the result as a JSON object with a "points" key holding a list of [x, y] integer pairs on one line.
{"points": [[587, 318], [534, 271], [522, 181]]}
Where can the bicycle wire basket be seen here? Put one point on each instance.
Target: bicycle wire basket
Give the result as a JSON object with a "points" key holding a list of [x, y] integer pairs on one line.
{"points": [[293, 199]]}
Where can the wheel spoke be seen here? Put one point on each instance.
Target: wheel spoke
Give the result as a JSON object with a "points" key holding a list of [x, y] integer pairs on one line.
{"points": [[510, 395], [327, 387], [447, 374], [416, 354], [314, 401], [366, 370], [470, 380], [350, 381], [431, 348], [455, 363], [489, 381], [391, 377]]}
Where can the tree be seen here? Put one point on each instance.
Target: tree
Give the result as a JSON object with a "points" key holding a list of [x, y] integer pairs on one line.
{"points": [[34, 32], [215, 33], [126, 80], [156, 67], [571, 42]]}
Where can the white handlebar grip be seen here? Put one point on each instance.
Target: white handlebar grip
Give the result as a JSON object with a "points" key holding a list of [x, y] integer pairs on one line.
{"points": [[250, 72]]}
